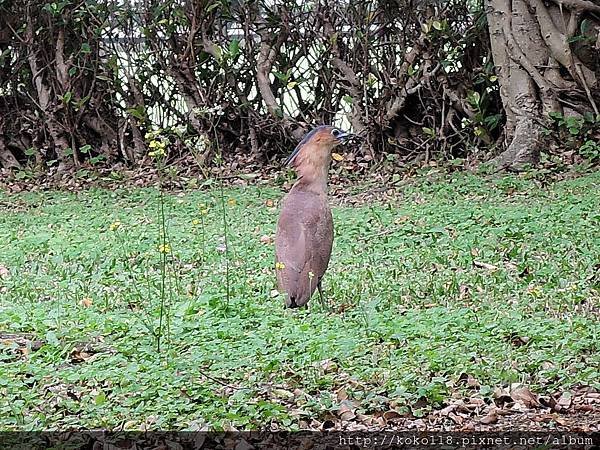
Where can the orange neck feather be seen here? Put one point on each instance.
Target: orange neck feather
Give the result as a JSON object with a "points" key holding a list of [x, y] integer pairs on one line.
{"points": [[312, 167]]}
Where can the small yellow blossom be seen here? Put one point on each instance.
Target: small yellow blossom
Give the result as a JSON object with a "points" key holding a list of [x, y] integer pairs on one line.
{"points": [[196, 222], [311, 275], [231, 202], [535, 291], [115, 225], [157, 153], [164, 248], [204, 211], [279, 265]]}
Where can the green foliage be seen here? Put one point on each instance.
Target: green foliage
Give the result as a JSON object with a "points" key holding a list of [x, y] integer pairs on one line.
{"points": [[496, 278], [580, 134]]}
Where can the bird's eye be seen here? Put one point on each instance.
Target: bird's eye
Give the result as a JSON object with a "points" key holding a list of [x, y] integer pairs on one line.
{"points": [[335, 132]]}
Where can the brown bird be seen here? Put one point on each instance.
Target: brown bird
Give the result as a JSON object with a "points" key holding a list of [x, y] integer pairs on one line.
{"points": [[305, 228]]}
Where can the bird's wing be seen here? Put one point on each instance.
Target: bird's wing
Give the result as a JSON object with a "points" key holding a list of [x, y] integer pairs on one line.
{"points": [[320, 243], [303, 244], [290, 242]]}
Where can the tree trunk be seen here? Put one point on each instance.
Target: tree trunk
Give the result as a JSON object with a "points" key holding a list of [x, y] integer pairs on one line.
{"points": [[7, 159], [537, 70]]}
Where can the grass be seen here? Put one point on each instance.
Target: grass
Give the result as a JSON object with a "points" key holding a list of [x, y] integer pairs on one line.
{"points": [[496, 278]]}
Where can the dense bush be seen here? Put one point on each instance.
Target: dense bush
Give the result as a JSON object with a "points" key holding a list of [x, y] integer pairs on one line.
{"points": [[85, 81]]}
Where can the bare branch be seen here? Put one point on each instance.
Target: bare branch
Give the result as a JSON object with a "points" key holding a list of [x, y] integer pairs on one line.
{"points": [[581, 5]]}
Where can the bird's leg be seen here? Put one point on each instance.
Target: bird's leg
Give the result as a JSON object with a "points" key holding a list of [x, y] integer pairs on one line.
{"points": [[323, 301]]}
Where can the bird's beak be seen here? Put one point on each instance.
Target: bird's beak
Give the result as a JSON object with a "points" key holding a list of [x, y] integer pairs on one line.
{"points": [[344, 137]]}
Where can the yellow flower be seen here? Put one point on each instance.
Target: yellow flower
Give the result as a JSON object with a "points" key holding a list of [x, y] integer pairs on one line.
{"points": [[157, 152], [115, 225], [196, 222], [279, 265], [311, 275], [164, 248], [231, 202], [204, 211]]}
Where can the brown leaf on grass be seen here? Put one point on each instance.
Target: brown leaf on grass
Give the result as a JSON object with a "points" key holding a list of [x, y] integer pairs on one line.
{"points": [[401, 219], [3, 271], [475, 403], [392, 416], [463, 291], [269, 203], [79, 356], [86, 302], [447, 410], [501, 397], [468, 427], [328, 366], [469, 380], [593, 396], [490, 418], [346, 411], [484, 265], [523, 395], [459, 420], [516, 340], [341, 394], [282, 393], [564, 402], [266, 239]]}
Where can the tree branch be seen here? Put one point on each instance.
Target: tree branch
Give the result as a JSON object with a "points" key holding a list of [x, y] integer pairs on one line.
{"points": [[581, 5]]}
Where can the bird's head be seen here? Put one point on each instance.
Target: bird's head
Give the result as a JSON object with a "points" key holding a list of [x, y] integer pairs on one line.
{"points": [[314, 150]]}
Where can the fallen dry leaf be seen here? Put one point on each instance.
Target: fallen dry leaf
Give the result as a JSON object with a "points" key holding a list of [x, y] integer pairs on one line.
{"points": [[342, 394], [79, 356], [484, 265], [564, 402], [501, 396], [456, 418], [490, 418], [447, 410], [391, 416], [266, 239], [328, 365], [525, 396], [282, 393], [468, 380], [346, 411]]}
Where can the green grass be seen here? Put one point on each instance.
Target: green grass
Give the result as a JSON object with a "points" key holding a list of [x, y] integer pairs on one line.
{"points": [[411, 312]]}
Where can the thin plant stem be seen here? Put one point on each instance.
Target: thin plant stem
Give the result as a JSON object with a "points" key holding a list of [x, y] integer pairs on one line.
{"points": [[226, 242], [225, 224], [163, 256]]}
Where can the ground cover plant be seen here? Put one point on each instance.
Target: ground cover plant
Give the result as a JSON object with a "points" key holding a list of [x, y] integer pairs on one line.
{"points": [[460, 287]]}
